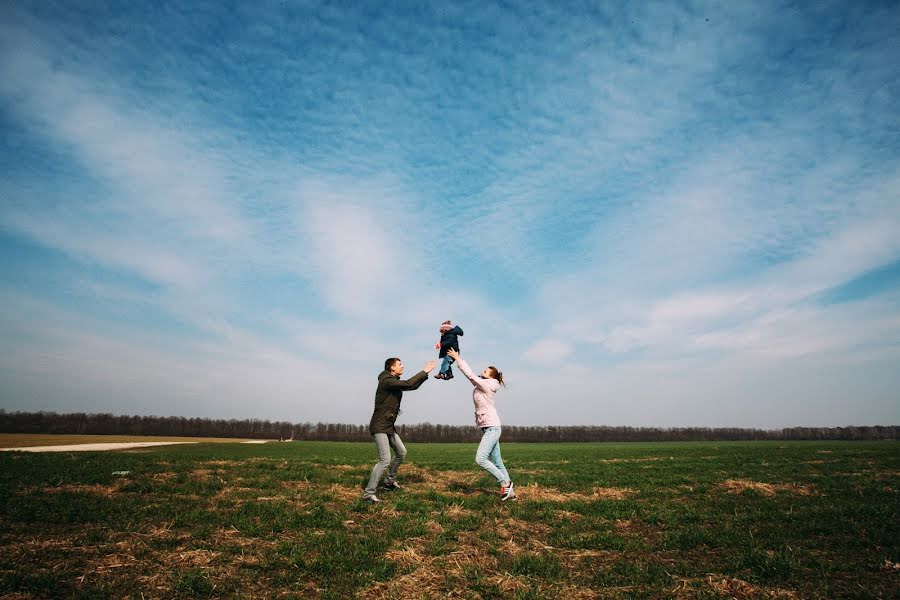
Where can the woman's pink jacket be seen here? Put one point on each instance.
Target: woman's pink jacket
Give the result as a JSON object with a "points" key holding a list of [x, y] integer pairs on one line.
{"points": [[483, 397]]}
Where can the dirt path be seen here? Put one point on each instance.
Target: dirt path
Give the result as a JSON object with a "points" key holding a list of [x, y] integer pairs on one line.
{"points": [[93, 447]]}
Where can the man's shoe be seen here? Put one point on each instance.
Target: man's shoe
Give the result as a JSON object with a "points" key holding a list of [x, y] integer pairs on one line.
{"points": [[392, 485], [439, 376], [371, 500], [448, 376], [507, 492]]}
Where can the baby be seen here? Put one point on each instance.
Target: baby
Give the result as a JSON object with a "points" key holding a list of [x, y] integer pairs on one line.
{"points": [[449, 339]]}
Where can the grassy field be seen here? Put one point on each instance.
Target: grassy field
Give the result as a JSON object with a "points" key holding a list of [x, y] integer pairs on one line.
{"points": [[285, 520]]}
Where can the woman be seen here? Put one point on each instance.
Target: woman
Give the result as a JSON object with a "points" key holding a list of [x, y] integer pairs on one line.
{"points": [[488, 455]]}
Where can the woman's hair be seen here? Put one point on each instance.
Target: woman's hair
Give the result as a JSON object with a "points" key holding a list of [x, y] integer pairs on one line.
{"points": [[496, 374], [390, 363]]}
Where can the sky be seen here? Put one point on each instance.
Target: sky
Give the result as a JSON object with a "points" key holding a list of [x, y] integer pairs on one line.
{"points": [[654, 214]]}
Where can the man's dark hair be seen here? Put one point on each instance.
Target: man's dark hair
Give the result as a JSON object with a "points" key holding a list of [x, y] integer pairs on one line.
{"points": [[390, 363]]}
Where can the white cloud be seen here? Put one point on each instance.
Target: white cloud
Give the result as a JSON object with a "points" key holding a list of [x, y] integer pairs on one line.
{"points": [[547, 351], [80, 239], [161, 176], [356, 251]]}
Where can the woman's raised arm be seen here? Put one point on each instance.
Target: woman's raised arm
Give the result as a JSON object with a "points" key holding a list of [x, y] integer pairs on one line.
{"points": [[464, 367]]}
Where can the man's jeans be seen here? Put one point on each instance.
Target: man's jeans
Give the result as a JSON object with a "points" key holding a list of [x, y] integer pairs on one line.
{"points": [[384, 442], [488, 455]]}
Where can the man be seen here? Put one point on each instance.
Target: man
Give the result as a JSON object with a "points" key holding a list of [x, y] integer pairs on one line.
{"points": [[387, 406]]}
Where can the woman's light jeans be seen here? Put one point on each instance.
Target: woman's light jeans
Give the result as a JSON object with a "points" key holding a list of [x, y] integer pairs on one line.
{"points": [[488, 454], [384, 442]]}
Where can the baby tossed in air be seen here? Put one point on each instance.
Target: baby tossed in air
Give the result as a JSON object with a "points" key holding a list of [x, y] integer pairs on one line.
{"points": [[449, 339]]}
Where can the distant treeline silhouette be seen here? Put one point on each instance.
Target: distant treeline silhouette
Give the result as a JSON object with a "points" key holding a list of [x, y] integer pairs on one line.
{"points": [[108, 424]]}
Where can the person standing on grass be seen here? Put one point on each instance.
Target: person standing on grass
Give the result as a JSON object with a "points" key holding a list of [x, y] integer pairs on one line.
{"points": [[486, 417], [388, 395]]}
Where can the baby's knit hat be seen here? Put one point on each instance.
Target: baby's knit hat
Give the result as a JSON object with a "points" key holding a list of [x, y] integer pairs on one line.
{"points": [[446, 326]]}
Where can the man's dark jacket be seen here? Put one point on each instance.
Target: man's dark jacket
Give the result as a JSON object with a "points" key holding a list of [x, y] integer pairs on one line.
{"points": [[450, 340], [387, 399]]}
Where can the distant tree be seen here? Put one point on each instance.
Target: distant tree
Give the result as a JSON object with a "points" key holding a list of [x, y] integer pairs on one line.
{"points": [[106, 424]]}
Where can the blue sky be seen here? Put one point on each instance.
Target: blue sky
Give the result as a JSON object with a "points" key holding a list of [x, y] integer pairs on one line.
{"points": [[649, 214]]}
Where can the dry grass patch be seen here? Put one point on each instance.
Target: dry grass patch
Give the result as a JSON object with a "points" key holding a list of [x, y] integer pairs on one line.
{"points": [[568, 515], [434, 528], [511, 548], [613, 493], [456, 511], [442, 480], [230, 495], [534, 491], [345, 467], [17, 546], [194, 558], [635, 528], [95, 489], [508, 527], [299, 485], [162, 532], [409, 556], [117, 560], [581, 593], [163, 477], [204, 475], [159, 532], [386, 513], [106, 562], [630, 460], [344, 493], [531, 472], [740, 589], [430, 573], [409, 585], [222, 463], [415, 478], [234, 538], [518, 535], [594, 557], [736, 486], [445, 576]]}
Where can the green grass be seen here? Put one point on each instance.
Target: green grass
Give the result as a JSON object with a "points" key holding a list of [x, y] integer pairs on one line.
{"points": [[220, 520]]}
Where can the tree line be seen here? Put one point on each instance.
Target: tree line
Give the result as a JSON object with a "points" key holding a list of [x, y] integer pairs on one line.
{"points": [[109, 424]]}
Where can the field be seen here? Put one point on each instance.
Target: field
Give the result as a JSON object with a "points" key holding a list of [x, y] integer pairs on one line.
{"points": [[285, 520]]}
